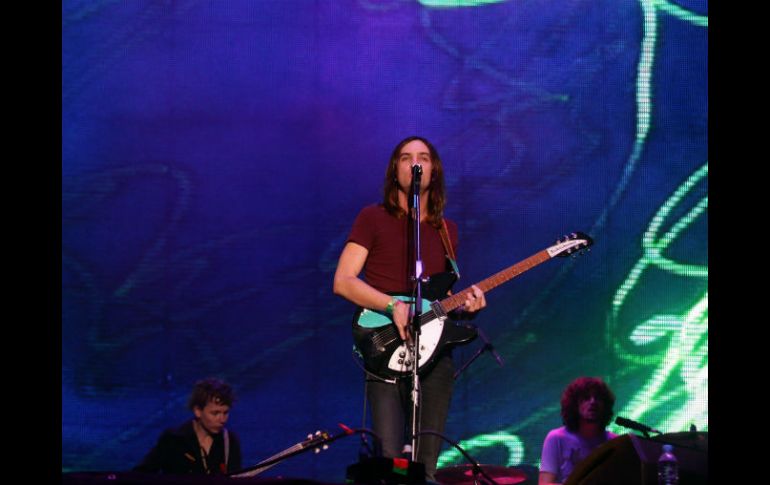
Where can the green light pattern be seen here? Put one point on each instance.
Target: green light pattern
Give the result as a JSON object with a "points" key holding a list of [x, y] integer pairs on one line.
{"points": [[510, 441], [644, 76], [457, 3], [687, 350], [643, 105], [688, 347], [653, 249], [643, 89], [682, 14], [506, 437]]}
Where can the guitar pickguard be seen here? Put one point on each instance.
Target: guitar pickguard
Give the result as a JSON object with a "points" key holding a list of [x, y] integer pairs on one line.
{"points": [[402, 358]]}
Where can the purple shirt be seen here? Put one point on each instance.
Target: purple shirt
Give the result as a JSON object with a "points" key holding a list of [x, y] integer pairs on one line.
{"points": [[563, 449]]}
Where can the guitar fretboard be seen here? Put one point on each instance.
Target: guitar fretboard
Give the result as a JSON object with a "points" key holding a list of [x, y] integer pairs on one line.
{"points": [[451, 302]]}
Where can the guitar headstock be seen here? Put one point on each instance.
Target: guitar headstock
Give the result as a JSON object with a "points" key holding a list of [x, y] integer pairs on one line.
{"points": [[570, 244], [317, 441]]}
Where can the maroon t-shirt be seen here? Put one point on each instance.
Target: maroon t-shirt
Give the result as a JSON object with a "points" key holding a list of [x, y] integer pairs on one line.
{"points": [[387, 239]]}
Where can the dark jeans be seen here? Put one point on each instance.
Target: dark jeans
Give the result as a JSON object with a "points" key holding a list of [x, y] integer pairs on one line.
{"points": [[391, 407]]}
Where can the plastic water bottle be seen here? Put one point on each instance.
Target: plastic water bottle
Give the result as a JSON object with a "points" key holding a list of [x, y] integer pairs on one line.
{"points": [[668, 467]]}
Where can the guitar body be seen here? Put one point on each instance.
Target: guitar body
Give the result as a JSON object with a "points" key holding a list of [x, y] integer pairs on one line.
{"points": [[386, 355]]}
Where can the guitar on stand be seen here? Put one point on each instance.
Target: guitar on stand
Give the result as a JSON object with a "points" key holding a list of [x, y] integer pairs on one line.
{"points": [[387, 356]]}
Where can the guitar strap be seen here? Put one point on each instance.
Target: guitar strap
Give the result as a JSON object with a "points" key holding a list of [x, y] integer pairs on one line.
{"points": [[450, 252], [227, 445]]}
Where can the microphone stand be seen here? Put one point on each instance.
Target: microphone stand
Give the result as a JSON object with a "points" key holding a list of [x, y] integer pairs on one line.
{"points": [[417, 278], [476, 467], [487, 346]]}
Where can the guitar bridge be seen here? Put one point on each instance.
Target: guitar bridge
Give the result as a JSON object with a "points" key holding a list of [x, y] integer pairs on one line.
{"points": [[438, 310]]}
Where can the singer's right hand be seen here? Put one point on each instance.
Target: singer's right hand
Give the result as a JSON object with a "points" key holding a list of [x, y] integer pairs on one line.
{"points": [[401, 318]]}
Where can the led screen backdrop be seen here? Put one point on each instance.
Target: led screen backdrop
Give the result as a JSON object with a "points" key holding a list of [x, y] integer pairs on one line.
{"points": [[215, 154]]}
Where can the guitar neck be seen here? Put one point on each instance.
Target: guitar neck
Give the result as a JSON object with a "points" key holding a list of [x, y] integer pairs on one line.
{"points": [[259, 469], [452, 302]]}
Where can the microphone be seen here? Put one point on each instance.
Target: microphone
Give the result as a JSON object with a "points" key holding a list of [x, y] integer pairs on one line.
{"points": [[627, 423], [416, 176]]}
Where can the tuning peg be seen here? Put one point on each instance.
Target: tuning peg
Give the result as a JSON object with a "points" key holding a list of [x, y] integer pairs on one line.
{"points": [[325, 447], [316, 450], [310, 436]]}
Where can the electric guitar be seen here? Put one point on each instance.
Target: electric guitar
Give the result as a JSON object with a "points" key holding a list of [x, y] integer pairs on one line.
{"points": [[386, 355]]}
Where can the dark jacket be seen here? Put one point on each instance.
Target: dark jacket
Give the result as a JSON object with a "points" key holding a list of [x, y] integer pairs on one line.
{"points": [[177, 451]]}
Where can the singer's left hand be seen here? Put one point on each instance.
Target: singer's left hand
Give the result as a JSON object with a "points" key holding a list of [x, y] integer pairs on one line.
{"points": [[475, 300]]}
